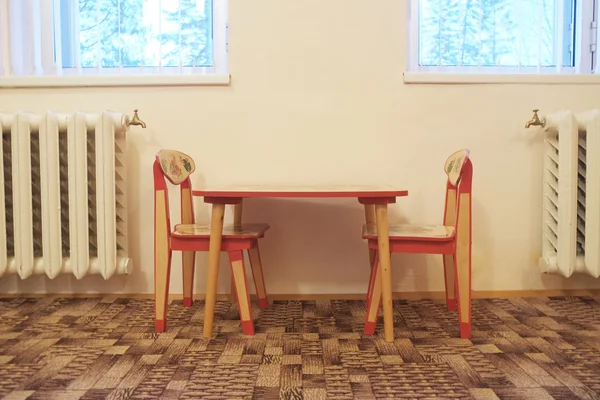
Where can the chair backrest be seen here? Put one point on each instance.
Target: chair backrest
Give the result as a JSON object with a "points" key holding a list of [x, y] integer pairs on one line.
{"points": [[454, 165], [176, 167], [459, 169]]}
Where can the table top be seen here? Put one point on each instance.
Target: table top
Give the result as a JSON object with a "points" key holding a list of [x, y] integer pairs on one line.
{"points": [[306, 191]]}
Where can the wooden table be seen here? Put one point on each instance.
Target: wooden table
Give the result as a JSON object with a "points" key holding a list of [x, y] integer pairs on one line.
{"points": [[375, 198]]}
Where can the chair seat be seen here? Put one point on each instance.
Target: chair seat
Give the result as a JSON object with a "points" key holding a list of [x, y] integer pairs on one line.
{"points": [[412, 232], [202, 231]]}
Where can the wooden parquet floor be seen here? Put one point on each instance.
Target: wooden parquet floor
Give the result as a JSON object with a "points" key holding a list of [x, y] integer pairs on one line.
{"points": [[521, 348]]}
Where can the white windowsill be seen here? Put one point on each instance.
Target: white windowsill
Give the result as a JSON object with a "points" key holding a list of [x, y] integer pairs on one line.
{"points": [[113, 80], [490, 78]]}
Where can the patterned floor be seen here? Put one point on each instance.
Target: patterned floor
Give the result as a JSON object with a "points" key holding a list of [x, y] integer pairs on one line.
{"points": [[539, 348]]}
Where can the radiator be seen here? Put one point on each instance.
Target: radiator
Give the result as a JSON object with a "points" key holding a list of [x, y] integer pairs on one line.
{"points": [[63, 200], [571, 194]]}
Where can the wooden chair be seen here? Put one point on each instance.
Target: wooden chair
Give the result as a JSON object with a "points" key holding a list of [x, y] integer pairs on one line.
{"points": [[452, 240], [189, 237]]}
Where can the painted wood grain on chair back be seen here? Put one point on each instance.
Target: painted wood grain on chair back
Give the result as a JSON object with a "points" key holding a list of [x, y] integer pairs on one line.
{"points": [[454, 165], [454, 169], [176, 167]]}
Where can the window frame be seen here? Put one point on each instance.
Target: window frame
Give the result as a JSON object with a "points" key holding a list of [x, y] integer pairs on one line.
{"points": [[584, 71], [217, 74]]}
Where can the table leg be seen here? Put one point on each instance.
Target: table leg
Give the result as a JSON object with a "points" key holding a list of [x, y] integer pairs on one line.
{"points": [[383, 241], [237, 220], [214, 253], [370, 219]]}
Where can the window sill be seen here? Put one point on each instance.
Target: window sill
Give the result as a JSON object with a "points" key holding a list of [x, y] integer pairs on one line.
{"points": [[113, 80], [491, 78]]}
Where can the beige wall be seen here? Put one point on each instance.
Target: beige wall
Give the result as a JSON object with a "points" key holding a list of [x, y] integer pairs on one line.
{"points": [[317, 96]]}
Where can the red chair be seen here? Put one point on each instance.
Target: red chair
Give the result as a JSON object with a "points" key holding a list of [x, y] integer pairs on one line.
{"points": [[189, 237], [452, 240]]}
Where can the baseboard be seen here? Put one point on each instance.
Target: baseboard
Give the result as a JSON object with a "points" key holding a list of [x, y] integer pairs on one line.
{"points": [[485, 294]]}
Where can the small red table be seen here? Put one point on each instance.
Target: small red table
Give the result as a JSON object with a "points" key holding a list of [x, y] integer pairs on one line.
{"points": [[375, 198]]}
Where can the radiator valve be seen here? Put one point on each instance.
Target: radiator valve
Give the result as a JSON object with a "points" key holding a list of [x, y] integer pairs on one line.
{"points": [[535, 120], [136, 120]]}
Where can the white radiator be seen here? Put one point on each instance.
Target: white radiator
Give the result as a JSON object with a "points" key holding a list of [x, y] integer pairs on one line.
{"points": [[63, 204], [571, 194]]}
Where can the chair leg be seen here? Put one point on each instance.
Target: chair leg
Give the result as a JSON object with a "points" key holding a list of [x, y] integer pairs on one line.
{"points": [[372, 258], [236, 260], [188, 260], [257, 274], [162, 274], [462, 264], [373, 298], [450, 281]]}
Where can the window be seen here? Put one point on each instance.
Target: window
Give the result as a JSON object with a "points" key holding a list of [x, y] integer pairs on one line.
{"points": [[502, 36], [62, 38]]}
